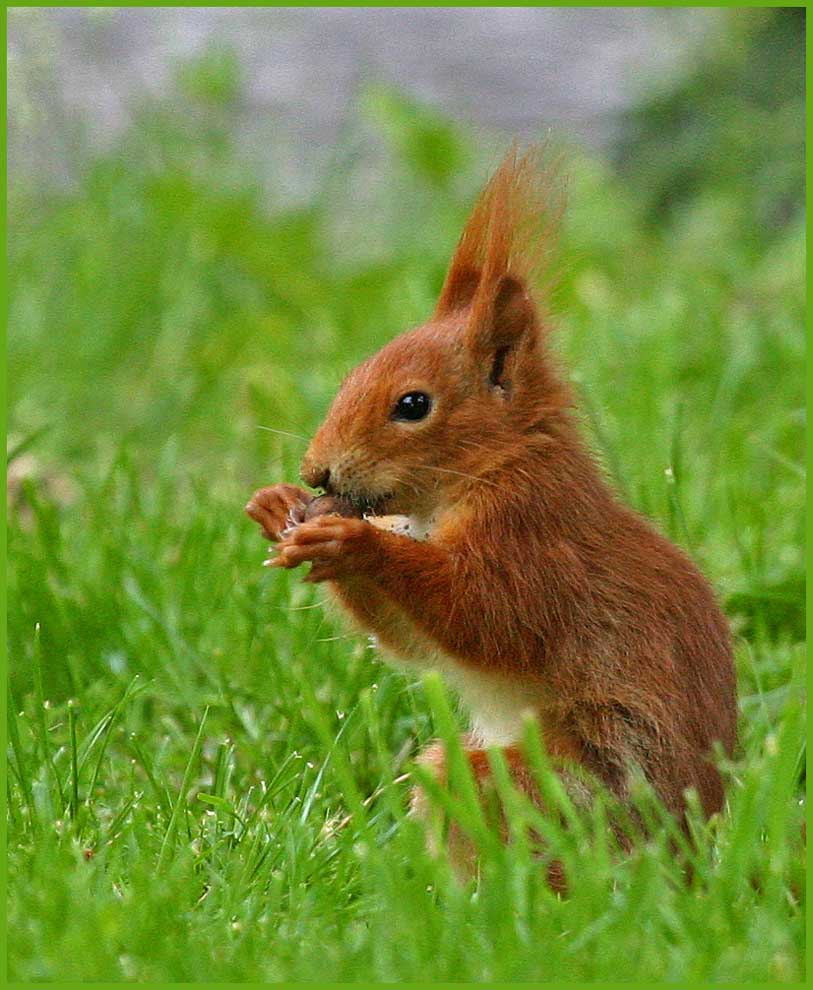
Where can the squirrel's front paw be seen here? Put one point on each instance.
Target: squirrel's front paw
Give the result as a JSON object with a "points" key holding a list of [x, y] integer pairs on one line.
{"points": [[336, 546], [277, 508]]}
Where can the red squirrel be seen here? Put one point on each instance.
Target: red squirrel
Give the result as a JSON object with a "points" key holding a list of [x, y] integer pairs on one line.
{"points": [[490, 547]]}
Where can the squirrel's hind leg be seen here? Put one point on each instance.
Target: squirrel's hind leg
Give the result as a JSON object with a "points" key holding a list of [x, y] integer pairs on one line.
{"points": [[440, 832]]}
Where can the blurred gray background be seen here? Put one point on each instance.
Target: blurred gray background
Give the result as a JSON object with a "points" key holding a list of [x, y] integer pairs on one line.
{"points": [[76, 75]]}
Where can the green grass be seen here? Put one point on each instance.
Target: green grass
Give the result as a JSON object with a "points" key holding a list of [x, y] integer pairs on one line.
{"points": [[205, 767]]}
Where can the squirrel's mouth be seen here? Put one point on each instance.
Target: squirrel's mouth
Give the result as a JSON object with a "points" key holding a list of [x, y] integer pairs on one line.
{"points": [[366, 503]]}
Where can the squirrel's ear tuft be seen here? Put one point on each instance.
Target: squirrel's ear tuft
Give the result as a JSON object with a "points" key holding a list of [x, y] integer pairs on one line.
{"points": [[505, 248]]}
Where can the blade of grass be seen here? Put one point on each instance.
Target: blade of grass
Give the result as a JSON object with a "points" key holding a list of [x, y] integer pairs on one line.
{"points": [[20, 757], [41, 720], [181, 799], [74, 796]]}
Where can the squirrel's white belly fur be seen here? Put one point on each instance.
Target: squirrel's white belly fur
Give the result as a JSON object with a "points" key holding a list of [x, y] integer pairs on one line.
{"points": [[412, 526], [496, 707]]}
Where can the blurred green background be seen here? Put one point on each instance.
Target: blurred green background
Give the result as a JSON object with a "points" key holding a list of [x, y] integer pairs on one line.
{"points": [[161, 314]]}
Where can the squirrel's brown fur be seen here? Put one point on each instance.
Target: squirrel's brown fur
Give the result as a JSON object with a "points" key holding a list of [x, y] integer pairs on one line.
{"points": [[535, 588]]}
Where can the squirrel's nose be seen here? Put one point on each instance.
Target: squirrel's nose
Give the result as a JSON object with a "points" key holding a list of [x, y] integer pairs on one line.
{"points": [[316, 477]]}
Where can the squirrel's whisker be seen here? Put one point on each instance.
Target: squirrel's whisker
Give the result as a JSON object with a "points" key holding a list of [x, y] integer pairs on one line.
{"points": [[298, 608], [464, 474], [284, 433]]}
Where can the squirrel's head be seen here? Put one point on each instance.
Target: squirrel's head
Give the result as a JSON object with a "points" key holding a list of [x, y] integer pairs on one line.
{"points": [[443, 404]]}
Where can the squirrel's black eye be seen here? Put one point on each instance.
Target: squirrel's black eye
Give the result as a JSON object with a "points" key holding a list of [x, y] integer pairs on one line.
{"points": [[412, 406]]}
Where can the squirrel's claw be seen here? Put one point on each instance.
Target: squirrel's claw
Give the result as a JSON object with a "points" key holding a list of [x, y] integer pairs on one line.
{"points": [[330, 543], [277, 509]]}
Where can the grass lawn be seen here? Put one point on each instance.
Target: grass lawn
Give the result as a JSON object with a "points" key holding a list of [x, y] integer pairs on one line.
{"points": [[205, 767]]}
